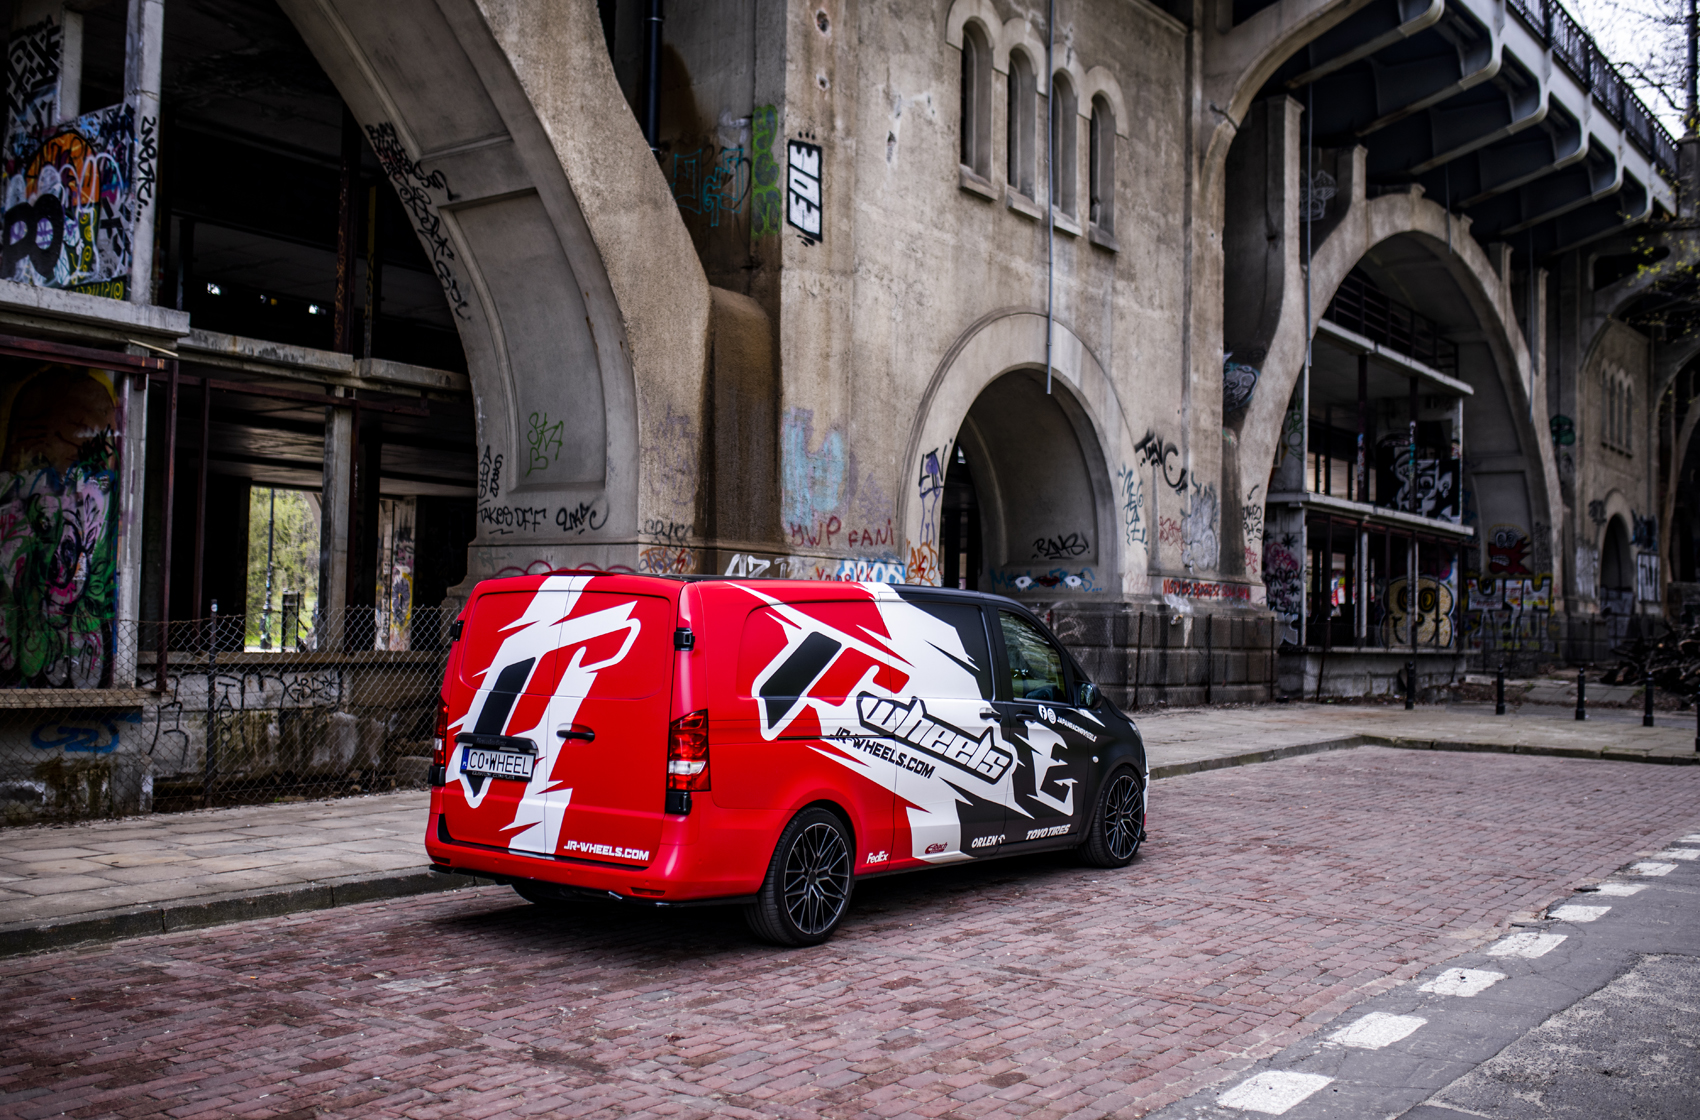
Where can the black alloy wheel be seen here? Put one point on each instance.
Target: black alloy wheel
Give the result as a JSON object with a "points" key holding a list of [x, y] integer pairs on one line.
{"points": [[807, 888], [1118, 822]]}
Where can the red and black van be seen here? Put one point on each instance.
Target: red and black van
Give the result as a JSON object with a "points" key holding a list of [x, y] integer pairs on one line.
{"points": [[765, 742]]}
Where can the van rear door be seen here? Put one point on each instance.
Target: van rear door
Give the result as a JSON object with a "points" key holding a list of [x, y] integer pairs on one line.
{"points": [[498, 710], [605, 759]]}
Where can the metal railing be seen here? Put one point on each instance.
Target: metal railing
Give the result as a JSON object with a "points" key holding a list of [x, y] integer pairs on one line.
{"points": [[231, 725], [1358, 305]]}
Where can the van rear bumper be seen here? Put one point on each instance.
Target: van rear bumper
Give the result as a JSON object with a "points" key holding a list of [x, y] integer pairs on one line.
{"points": [[685, 868], [586, 894]]}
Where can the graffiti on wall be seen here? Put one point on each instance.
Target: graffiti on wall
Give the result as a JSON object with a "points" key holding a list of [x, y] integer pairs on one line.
{"points": [[1587, 570], [1062, 546], [813, 478], [58, 516], [72, 187], [929, 488], [1646, 532], [1647, 587], [1207, 589], [1508, 551], [1130, 492], [1435, 491], [803, 200], [1283, 577], [667, 560], [765, 203], [1432, 611], [1512, 612], [1251, 523], [711, 181], [413, 185], [1025, 579], [1238, 383], [1154, 451], [1201, 542], [544, 440]]}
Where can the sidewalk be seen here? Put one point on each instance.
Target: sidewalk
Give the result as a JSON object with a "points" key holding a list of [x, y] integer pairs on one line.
{"points": [[93, 882]]}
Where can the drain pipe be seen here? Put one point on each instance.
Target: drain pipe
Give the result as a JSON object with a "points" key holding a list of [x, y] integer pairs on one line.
{"points": [[1051, 147], [652, 76]]}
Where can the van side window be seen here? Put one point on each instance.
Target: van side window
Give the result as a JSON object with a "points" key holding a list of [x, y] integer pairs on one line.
{"points": [[1035, 665], [970, 627]]}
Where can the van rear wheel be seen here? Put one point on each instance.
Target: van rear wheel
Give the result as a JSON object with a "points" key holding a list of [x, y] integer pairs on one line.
{"points": [[807, 889], [1118, 822]]}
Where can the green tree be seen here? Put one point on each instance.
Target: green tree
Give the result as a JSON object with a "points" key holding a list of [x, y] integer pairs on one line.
{"points": [[294, 534]]}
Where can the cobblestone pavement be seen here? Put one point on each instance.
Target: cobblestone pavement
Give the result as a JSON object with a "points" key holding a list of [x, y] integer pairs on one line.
{"points": [[1270, 899]]}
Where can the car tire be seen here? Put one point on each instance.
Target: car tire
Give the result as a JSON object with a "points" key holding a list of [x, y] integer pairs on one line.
{"points": [[807, 889], [1118, 821]]}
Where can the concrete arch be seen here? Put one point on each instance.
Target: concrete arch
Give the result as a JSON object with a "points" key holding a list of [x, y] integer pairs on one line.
{"points": [[1000, 343], [1366, 224], [1018, 33], [1099, 82], [581, 304]]}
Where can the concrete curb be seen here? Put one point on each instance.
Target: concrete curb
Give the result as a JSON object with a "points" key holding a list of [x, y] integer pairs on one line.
{"points": [[1176, 769], [239, 907]]}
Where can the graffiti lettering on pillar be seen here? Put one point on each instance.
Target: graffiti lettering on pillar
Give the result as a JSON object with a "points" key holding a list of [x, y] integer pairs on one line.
{"points": [[711, 181], [1130, 491], [1061, 547], [1251, 521], [489, 477], [1314, 195], [1201, 544], [1647, 588], [1511, 612], [1433, 611], [813, 478], [1153, 450], [544, 440], [1587, 570], [929, 487], [872, 571], [413, 185], [1206, 589], [582, 517], [803, 189], [818, 535], [32, 75], [765, 200], [147, 157], [1283, 576], [58, 512], [874, 537], [1597, 512], [1508, 551], [744, 566], [1238, 382], [673, 532]]}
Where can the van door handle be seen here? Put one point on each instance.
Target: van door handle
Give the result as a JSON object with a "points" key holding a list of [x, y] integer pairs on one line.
{"points": [[989, 714], [568, 731]]}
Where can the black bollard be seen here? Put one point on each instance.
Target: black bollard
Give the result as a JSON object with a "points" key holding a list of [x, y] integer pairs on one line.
{"points": [[1499, 692], [1697, 719], [1647, 702], [1581, 694], [1410, 685]]}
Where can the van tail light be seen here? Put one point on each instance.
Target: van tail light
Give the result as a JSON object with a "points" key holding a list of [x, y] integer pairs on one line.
{"points": [[687, 752], [440, 744]]}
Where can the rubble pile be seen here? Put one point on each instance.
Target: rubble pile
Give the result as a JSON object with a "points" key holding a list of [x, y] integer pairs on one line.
{"points": [[1673, 659]]}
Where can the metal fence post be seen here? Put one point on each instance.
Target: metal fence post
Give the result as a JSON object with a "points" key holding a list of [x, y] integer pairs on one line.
{"points": [[209, 769]]}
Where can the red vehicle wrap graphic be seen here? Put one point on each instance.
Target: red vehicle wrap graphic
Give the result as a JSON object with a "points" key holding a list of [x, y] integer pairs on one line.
{"points": [[889, 705]]}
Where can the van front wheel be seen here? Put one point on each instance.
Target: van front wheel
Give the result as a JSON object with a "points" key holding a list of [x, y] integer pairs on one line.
{"points": [[1118, 822], [807, 889]]}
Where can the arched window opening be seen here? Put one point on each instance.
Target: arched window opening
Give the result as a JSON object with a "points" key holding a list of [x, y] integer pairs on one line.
{"points": [[1065, 130], [976, 117], [1023, 92], [1101, 167]]}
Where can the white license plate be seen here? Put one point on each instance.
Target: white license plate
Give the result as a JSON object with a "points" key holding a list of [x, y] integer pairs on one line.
{"points": [[497, 764]]}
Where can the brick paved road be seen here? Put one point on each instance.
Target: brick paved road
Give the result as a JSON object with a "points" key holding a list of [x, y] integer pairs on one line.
{"points": [[1270, 899]]}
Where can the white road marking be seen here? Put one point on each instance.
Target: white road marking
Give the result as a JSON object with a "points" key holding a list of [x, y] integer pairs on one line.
{"points": [[1526, 945], [1273, 1091], [1648, 868], [1620, 890], [1462, 982], [1375, 1030], [1678, 853], [1695, 839], [1577, 913]]}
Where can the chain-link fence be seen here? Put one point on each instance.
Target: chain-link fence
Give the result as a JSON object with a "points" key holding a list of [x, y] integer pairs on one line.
{"points": [[139, 718]]}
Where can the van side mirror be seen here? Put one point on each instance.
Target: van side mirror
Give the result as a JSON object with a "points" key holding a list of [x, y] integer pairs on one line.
{"points": [[1089, 695]]}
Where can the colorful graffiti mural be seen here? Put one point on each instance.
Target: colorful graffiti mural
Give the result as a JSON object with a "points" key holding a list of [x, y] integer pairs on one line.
{"points": [[1508, 551], [1433, 610], [929, 487], [58, 510], [70, 186]]}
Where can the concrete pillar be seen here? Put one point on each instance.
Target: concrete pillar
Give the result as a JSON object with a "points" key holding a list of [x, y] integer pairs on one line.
{"points": [[132, 481], [143, 43], [333, 527], [53, 77]]}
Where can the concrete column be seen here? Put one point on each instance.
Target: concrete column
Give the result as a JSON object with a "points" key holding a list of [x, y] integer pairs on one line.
{"points": [[132, 482], [56, 100], [143, 43], [333, 527]]}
